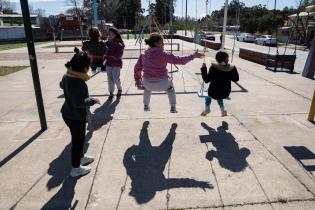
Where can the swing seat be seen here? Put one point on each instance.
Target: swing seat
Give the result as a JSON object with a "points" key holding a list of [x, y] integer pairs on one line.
{"points": [[202, 93]]}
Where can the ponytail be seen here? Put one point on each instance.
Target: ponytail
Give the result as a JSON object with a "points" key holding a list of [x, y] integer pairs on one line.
{"points": [[154, 38]]}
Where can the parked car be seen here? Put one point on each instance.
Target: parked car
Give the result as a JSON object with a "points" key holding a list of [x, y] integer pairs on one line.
{"points": [[208, 36], [245, 37], [266, 40]]}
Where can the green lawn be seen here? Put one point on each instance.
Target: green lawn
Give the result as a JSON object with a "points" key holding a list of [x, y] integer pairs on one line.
{"points": [[16, 45], [5, 70]]}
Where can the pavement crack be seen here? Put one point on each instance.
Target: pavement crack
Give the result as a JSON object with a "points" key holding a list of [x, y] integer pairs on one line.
{"points": [[97, 166], [215, 177], [247, 204], [123, 188], [274, 156]]}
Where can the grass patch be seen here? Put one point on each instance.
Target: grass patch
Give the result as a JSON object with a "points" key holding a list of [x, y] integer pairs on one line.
{"points": [[5, 70], [49, 46], [16, 45]]}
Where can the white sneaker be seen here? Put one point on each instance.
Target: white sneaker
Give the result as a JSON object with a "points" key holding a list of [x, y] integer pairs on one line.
{"points": [[86, 160], [81, 171]]}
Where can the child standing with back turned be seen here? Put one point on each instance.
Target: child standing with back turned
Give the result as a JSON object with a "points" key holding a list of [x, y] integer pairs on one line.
{"points": [[220, 76], [74, 109], [95, 48]]}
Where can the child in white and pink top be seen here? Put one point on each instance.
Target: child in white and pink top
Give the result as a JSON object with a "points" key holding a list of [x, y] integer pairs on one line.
{"points": [[150, 72]]}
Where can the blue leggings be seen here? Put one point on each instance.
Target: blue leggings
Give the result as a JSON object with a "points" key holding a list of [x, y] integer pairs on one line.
{"points": [[208, 102]]}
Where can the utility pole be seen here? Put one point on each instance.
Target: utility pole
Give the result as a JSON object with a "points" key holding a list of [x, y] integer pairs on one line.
{"points": [[207, 3], [95, 13], [171, 15], [33, 62], [224, 24], [186, 22]]}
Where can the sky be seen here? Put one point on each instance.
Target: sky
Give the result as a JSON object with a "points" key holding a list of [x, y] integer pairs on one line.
{"points": [[53, 7]]}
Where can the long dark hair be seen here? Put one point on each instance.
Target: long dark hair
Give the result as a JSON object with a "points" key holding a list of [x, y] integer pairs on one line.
{"points": [[79, 61], [94, 34], [117, 34]]}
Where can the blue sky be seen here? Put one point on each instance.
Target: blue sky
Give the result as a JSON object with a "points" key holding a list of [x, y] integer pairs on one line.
{"points": [[53, 7]]}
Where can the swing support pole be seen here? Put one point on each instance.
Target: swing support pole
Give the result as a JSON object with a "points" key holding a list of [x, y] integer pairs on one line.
{"points": [[186, 21], [95, 13], [33, 62], [224, 24]]}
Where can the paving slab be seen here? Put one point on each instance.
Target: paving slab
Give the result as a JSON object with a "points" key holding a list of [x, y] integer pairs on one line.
{"points": [[259, 157]]}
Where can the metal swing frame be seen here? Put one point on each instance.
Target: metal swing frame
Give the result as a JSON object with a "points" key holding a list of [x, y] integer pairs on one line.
{"points": [[286, 61]]}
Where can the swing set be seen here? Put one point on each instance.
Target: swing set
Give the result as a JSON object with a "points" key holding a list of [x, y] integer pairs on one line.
{"points": [[284, 61]]}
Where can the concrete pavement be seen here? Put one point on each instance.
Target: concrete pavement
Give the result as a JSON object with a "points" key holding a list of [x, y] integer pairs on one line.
{"points": [[260, 156]]}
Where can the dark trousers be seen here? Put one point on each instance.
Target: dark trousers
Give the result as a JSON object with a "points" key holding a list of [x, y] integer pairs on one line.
{"points": [[96, 64], [77, 130]]}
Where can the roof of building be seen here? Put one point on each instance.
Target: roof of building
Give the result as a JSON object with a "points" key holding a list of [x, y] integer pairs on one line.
{"points": [[303, 14], [310, 8], [16, 15]]}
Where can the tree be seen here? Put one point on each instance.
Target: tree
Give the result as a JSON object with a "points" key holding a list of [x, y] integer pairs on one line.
{"points": [[123, 13], [129, 13], [4, 4], [269, 23], [6, 7], [112, 8], [162, 10]]}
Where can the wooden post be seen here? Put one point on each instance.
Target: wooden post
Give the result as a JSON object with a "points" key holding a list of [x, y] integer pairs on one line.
{"points": [[311, 115]]}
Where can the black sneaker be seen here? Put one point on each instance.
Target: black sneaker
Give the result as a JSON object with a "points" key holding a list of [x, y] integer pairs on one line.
{"points": [[119, 94], [110, 97]]}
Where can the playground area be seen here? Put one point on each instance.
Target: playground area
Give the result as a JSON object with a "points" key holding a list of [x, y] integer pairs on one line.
{"points": [[261, 156]]}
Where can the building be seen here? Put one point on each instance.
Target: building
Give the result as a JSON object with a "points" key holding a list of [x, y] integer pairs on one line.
{"points": [[17, 20], [300, 27]]}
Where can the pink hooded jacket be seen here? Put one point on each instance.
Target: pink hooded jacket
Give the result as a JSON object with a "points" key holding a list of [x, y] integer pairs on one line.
{"points": [[154, 61]]}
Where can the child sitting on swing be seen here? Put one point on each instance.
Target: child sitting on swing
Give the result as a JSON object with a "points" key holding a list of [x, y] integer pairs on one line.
{"points": [[155, 75], [220, 76]]}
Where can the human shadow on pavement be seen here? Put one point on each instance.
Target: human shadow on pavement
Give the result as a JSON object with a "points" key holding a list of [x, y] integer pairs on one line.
{"points": [[227, 152], [59, 170], [302, 154], [60, 167], [145, 165], [99, 118]]}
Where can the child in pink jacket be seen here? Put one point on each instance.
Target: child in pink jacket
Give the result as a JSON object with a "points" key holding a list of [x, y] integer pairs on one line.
{"points": [[155, 75]]}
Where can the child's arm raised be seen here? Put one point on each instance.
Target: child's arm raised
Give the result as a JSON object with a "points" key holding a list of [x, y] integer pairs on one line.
{"points": [[173, 59], [79, 98]]}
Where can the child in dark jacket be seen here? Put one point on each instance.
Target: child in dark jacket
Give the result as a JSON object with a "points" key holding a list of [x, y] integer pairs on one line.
{"points": [[74, 109], [115, 49], [96, 49], [220, 76]]}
